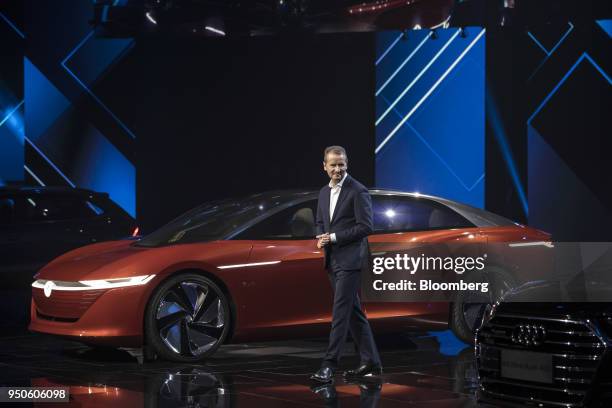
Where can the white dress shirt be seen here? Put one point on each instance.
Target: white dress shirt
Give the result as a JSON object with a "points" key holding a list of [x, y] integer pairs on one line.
{"points": [[334, 193]]}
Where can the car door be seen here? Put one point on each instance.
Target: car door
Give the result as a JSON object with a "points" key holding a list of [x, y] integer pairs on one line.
{"points": [[292, 283], [407, 220]]}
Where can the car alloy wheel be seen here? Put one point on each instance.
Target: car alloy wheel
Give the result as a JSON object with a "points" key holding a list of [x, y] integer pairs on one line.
{"points": [[188, 318]]}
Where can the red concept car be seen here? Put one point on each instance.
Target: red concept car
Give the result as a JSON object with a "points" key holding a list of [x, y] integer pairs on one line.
{"points": [[242, 270]]}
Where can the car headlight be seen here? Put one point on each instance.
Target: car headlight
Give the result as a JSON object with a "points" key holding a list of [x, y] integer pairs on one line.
{"points": [[93, 284], [117, 282]]}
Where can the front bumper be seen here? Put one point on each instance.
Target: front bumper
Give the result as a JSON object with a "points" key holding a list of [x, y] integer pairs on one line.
{"points": [[581, 358], [111, 317]]}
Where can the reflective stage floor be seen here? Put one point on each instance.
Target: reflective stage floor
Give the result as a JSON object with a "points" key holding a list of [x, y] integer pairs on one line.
{"points": [[427, 369]]}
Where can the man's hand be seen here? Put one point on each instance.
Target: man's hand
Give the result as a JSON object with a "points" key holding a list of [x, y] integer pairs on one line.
{"points": [[323, 240]]}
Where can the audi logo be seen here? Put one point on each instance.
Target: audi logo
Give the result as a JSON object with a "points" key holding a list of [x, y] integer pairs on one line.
{"points": [[528, 335]]}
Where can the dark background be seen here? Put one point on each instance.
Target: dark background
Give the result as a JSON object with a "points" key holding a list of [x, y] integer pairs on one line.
{"points": [[230, 118], [163, 123]]}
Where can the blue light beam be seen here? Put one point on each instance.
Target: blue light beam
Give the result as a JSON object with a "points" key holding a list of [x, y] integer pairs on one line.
{"points": [[502, 140]]}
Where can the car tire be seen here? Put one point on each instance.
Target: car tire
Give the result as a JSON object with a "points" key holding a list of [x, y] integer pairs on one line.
{"points": [[187, 318], [468, 308], [190, 386]]}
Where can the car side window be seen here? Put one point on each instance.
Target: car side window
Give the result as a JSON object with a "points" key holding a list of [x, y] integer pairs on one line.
{"points": [[393, 214], [295, 222], [55, 208]]}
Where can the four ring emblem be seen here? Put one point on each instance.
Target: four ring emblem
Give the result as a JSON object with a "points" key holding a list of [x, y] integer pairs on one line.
{"points": [[528, 334]]}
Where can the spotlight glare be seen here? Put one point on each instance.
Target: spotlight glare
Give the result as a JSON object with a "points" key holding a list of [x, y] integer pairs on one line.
{"points": [[390, 213]]}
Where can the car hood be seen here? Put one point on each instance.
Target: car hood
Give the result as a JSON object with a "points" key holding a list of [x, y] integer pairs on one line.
{"points": [[82, 263], [120, 259]]}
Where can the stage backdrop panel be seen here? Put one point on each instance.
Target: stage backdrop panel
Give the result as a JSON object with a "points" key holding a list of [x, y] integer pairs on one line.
{"points": [[430, 113], [568, 130]]}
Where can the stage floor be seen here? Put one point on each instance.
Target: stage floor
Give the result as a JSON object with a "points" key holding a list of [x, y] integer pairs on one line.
{"points": [[425, 369]]}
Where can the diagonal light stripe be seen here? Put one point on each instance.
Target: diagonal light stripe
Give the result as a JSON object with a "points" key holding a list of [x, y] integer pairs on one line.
{"points": [[50, 162], [549, 53], [384, 54], [415, 80], [33, 175], [78, 46], [554, 48], [482, 176], [571, 27], [597, 67], [433, 88], [562, 81], [76, 78], [448, 167], [403, 63], [13, 26], [11, 113], [397, 113], [535, 40]]}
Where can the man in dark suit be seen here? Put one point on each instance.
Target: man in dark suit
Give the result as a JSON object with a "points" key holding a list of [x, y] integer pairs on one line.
{"points": [[344, 220]]}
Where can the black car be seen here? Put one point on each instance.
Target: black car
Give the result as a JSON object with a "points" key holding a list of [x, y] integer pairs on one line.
{"points": [[38, 224], [545, 354]]}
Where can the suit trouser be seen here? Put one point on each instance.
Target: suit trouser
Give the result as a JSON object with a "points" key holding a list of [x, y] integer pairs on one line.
{"points": [[347, 315]]}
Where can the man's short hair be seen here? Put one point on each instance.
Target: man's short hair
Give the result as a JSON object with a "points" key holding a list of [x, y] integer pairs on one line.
{"points": [[339, 150]]}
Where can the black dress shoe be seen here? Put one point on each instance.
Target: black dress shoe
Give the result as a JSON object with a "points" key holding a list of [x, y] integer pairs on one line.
{"points": [[325, 391], [324, 375], [364, 370]]}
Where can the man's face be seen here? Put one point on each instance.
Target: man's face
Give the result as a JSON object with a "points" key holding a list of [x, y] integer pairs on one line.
{"points": [[335, 165]]}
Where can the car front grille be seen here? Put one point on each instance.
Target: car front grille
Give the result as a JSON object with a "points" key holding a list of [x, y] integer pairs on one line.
{"points": [[577, 354], [64, 304]]}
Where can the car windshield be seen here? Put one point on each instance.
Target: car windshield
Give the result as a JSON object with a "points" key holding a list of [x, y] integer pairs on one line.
{"points": [[215, 220]]}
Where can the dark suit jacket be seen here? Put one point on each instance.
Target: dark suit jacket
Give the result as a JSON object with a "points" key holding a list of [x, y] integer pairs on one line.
{"points": [[352, 223]]}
